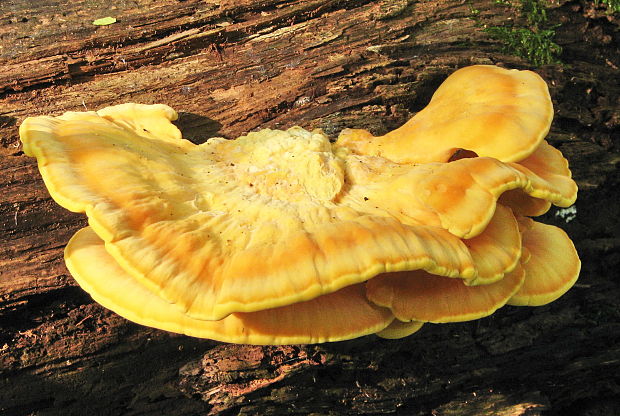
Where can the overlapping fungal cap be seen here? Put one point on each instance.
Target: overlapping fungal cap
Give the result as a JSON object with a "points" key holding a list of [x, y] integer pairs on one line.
{"points": [[551, 264], [489, 110], [343, 314], [284, 237]]}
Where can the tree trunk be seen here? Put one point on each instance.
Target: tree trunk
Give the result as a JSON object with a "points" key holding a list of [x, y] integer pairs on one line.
{"points": [[232, 66]]}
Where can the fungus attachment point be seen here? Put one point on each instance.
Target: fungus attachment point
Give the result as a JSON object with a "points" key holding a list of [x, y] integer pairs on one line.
{"points": [[284, 237]]}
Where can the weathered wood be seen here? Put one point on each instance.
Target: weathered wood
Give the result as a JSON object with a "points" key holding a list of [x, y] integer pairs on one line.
{"points": [[233, 66]]}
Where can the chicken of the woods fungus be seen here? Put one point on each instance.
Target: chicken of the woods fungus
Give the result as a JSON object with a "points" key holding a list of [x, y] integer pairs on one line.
{"points": [[283, 237]]}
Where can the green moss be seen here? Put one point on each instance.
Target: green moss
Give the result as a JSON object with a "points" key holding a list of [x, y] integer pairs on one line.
{"points": [[613, 6], [534, 42], [534, 11], [537, 47]]}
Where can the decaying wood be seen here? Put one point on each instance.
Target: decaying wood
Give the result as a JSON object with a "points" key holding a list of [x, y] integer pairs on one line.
{"points": [[232, 66]]}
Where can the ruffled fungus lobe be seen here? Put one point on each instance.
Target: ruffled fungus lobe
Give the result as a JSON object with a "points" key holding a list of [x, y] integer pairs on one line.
{"points": [[551, 265], [343, 314], [284, 237], [423, 297], [494, 112]]}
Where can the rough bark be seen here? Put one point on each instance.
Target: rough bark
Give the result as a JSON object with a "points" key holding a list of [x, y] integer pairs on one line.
{"points": [[233, 66]]}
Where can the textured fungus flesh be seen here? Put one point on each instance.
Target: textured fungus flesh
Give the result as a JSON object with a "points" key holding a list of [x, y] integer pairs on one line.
{"points": [[341, 315], [269, 219], [459, 196], [259, 216]]}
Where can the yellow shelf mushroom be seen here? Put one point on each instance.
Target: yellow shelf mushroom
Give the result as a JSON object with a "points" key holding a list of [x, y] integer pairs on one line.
{"points": [[250, 240]]}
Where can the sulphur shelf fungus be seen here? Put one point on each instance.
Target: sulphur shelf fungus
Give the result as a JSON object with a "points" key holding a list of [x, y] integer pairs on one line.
{"points": [[283, 237]]}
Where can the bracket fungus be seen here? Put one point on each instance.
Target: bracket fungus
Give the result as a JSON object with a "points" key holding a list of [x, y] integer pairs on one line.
{"points": [[284, 237]]}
